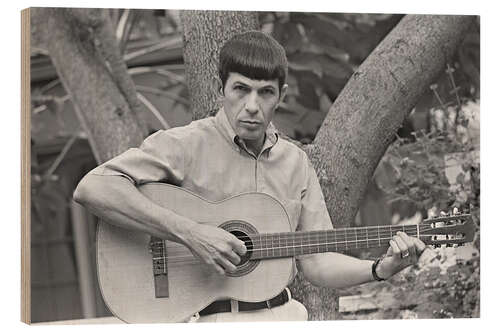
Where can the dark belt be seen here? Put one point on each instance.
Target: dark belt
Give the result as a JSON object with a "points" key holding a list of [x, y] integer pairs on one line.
{"points": [[225, 305]]}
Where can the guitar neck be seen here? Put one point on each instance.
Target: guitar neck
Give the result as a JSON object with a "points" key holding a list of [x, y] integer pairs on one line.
{"points": [[289, 244]]}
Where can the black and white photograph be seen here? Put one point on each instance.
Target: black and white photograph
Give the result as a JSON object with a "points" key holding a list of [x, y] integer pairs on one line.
{"points": [[198, 166]]}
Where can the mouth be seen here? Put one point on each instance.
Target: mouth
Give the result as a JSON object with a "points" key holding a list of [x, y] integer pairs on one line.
{"points": [[250, 122]]}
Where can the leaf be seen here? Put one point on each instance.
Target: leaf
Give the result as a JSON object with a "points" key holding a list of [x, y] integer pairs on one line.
{"points": [[289, 36], [320, 65], [460, 178], [328, 50]]}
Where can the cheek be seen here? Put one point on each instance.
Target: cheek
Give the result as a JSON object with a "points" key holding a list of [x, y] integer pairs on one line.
{"points": [[233, 106]]}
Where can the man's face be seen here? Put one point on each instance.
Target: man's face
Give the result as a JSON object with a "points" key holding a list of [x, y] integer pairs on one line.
{"points": [[250, 106]]}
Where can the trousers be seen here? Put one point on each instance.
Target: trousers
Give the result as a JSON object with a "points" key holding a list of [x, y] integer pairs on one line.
{"points": [[290, 311]]}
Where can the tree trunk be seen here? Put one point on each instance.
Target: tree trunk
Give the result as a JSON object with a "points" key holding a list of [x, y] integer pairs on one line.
{"points": [[204, 34], [86, 56], [364, 118], [355, 134]]}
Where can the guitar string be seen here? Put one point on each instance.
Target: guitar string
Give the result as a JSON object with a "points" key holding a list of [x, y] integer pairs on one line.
{"points": [[284, 237], [322, 240], [343, 246], [421, 226], [272, 238], [353, 231], [303, 235], [191, 259], [320, 237]]}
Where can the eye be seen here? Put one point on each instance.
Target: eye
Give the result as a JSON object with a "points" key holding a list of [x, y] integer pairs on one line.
{"points": [[241, 88], [267, 91]]}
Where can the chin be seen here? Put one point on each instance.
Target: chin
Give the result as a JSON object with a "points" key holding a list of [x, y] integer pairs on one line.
{"points": [[249, 137]]}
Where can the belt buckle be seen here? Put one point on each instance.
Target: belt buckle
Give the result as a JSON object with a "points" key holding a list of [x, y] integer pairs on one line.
{"points": [[268, 304]]}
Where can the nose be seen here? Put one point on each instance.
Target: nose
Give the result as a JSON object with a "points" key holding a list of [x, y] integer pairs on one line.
{"points": [[252, 104]]}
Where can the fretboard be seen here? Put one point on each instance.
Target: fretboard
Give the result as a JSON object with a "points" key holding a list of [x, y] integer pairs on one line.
{"points": [[289, 244]]}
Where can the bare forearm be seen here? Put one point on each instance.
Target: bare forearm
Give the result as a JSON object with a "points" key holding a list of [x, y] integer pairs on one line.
{"points": [[117, 201], [335, 270]]}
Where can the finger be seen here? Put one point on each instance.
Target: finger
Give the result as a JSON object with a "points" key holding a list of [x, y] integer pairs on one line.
{"points": [[403, 248], [410, 244], [233, 257], [395, 248], [239, 246], [443, 213], [455, 210], [420, 246], [215, 266], [226, 264]]}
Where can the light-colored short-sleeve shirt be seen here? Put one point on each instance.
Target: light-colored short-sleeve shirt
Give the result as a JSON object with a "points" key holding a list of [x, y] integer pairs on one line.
{"points": [[207, 158]]}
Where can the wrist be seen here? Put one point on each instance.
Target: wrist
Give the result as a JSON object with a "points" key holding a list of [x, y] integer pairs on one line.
{"points": [[376, 271]]}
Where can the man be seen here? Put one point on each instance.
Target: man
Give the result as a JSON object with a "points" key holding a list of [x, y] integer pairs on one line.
{"points": [[236, 151]]}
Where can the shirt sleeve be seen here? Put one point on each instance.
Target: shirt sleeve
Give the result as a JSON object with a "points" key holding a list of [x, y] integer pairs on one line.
{"points": [[159, 158], [314, 214]]}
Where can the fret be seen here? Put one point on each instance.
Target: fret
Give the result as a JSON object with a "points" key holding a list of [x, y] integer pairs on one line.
{"points": [[378, 231], [301, 245], [318, 242], [287, 244], [274, 248], [327, 242], [335, 240], [345, 237], [164, 252], [266, 246], [279, 245], [308, 243], [367, 244], [356, 238]]}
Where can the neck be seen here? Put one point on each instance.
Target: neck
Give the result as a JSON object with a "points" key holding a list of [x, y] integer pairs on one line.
{"points": [[291, 244], [255, 146]]}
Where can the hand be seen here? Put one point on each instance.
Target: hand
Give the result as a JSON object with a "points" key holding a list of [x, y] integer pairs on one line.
{"points": [[214, 246], [403, 252]]}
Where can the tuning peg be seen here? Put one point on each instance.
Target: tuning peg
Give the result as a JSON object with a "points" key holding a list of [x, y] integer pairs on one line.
{"points": [[450, 245]]}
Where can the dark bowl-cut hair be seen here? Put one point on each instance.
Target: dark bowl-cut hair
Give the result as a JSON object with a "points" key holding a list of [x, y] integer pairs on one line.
{"points": [[255, 55]]}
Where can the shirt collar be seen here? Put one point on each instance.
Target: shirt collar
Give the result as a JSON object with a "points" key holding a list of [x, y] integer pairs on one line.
{"points": [[227, 131]]}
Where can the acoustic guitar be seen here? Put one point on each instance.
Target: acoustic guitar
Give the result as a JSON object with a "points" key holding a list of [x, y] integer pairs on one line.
{"points": [[147, 279]]}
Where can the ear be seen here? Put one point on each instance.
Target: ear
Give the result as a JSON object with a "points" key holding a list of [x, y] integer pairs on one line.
{"points": [[219, 89], [283, 93]]}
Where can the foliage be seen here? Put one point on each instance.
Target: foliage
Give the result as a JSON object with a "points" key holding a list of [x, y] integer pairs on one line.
{"points": [[323, 50], [438, 168], [425, 292]]}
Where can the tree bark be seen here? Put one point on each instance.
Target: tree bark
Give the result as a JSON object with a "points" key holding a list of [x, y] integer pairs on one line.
{"points": [[355, 134], [86, 56], [366, 115], [204, 34]]}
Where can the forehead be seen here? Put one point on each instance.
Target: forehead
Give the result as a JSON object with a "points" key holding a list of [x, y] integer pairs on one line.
{"points": [[234, 78]]}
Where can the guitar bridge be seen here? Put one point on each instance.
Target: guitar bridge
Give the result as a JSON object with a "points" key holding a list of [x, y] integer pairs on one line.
{"points": [[158, 251]]}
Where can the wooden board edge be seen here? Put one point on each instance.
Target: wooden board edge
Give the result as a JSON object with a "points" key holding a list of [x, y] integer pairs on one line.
{"points": [[25, 167]]}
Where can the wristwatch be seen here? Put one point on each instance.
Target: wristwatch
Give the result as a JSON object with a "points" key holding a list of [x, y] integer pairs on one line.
{"points": [[374, 270]]}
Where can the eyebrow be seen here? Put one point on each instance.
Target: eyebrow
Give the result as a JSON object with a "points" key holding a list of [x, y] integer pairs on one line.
{"points": [[268, 86]]}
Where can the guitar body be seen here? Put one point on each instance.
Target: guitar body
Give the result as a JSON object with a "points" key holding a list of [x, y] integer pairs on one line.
{"points": [[125, 265]]}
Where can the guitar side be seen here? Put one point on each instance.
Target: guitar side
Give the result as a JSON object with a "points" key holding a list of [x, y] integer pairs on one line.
{"points": [[125, 268]]}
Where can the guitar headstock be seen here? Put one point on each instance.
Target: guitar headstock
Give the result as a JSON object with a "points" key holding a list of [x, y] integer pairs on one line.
{"points": [[450, 230]]}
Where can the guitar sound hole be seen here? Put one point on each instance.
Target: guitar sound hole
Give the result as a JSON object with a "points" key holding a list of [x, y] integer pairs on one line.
{"points": [[248, 243], [242, 230]]}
